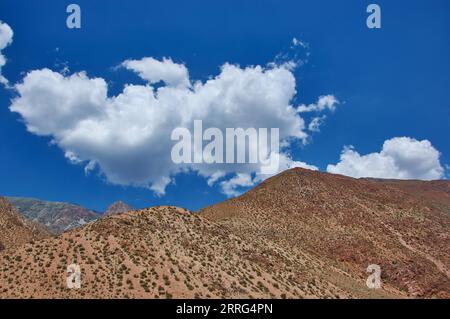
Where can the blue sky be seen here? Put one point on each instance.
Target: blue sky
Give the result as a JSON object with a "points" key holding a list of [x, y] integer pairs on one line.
{"points": [[391, 82]]}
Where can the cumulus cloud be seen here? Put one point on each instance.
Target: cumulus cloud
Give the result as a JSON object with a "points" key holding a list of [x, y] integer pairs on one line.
{"points": [[323, 103], [127, 136], [215, 177], [399, 158], [230, 187], [154, 71], [6, 36]]}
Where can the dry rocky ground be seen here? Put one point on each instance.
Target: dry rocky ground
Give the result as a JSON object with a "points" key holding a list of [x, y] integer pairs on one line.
{"points": [[15, 230], [300, 234], [403, 226]]}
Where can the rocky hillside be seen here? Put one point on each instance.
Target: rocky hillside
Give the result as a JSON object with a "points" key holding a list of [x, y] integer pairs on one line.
{"points": [[15, 230], [165, 252], [300, 234], [403, 226], [56, 216]]}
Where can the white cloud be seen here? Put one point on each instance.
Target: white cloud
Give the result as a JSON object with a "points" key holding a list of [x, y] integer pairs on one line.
{"points": [[316, 122], [400, 158], [154, 71], [6, 36], [324, 102], [128, 136], [53, 104], [215, 177], [298, 42], [230, 187]]}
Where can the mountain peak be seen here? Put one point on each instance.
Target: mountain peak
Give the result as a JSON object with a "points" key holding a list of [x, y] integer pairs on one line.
{"points": [[117, 208], [335, 217]]}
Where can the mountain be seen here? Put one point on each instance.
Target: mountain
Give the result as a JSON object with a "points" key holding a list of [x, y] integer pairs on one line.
{"points": [[348, 224], [15, 230], [160, 252], [300, 234], [57, 217], [117, 208], [434, 191]]}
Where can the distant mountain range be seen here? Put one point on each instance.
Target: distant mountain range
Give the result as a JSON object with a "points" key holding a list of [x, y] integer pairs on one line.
{"points": [[56, 216], [59, 217], [300, 234]]}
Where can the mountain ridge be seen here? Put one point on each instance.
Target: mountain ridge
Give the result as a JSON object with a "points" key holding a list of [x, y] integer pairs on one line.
{"points": [[353, 221], [299, 234], [57, 216], [161, 252]]}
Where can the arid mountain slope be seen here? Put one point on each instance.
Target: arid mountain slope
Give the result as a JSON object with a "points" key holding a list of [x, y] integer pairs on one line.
{"points": [[167, 252], [56, 216], [15, 230], [433, 192], [403, 226], [300, 234], [117, 208]]}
